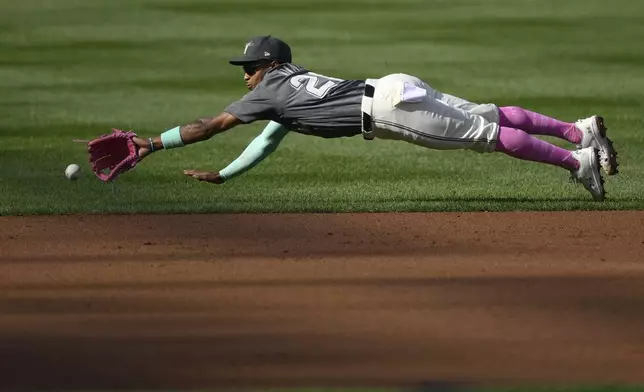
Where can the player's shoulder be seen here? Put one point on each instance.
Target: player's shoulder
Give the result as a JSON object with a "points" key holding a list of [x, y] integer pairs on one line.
{"points": [[286, 70], [278, 76]]}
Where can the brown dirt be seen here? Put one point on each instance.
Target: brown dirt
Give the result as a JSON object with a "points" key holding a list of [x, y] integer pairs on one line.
{"points": [[187, 301]]}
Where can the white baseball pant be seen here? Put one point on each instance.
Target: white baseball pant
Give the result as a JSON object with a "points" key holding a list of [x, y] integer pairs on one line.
{"points": [[403, 107]]}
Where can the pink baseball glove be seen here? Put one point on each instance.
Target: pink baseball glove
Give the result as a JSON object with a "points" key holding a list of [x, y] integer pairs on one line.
{"points": [[113, 154]]}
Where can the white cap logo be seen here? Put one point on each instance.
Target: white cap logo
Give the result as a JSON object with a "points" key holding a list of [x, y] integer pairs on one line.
{"points": [[266, 54], [247, 46]]}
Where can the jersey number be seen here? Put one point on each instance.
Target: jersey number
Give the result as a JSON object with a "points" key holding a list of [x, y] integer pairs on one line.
{"points": [[311, 81]]}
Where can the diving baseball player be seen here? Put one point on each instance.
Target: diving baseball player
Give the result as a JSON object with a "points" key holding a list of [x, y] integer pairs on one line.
{"points": [[397, 106]]}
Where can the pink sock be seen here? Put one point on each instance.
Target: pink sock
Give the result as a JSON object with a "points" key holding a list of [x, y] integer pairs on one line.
{"points": [[538, 124], [518, 144]]}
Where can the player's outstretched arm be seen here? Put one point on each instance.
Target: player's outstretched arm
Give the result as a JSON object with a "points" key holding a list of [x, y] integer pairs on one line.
{"points": [[198, 131], [261, 147]]}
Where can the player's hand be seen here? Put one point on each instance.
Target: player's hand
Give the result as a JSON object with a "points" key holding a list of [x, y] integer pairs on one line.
{"points": [[211, 177], [144, 147]]}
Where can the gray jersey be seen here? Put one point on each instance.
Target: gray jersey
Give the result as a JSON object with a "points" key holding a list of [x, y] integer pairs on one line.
{"points": [[304, 102]]}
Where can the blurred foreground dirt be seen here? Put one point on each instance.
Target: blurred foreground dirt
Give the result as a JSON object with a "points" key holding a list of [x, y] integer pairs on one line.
{"points": [[187, 301]]}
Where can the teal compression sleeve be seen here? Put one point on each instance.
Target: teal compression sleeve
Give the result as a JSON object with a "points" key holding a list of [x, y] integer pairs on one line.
{"points": [[257, 150]]}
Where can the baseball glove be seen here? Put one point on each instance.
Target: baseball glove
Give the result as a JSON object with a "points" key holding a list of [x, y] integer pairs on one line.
{"points": [[113, 154]]}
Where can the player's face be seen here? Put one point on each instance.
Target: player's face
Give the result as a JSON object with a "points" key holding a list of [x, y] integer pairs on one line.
{"points": [[254, 73]]}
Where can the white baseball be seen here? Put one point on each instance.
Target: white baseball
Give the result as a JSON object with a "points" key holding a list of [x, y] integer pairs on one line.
{"points": [[72, 172]]}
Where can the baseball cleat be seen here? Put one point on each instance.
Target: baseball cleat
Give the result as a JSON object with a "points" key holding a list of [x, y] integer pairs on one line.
{"points": [[588, 173], [594, 135]]}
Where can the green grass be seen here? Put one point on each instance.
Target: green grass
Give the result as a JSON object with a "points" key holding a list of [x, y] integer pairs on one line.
{"points": [[75, 68]]}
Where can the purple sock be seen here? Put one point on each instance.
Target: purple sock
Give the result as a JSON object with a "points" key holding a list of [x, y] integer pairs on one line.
{"points": [[538, 124], [518, 144]]}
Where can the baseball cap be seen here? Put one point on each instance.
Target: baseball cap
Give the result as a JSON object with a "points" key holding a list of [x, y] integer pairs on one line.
{"points": [[264, 47]]}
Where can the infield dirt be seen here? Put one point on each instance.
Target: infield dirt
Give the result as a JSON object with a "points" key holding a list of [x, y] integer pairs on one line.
{"points": [[186, 301]]}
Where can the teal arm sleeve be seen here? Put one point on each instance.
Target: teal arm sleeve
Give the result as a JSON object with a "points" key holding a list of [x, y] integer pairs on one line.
{"points": [[257, 150]]}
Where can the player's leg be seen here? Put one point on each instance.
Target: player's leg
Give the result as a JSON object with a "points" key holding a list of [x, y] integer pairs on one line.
{"points": [[538, 124], [583, 164], [588, 132], [519, 144], [434, 124], [518, 118]]}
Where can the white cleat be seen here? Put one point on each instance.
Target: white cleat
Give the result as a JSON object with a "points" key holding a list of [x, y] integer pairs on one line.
{"points": [[594, 135], [588, 173]]}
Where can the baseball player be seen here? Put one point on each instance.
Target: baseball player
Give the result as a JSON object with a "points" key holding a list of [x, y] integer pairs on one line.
{"points": [[397, 107]]}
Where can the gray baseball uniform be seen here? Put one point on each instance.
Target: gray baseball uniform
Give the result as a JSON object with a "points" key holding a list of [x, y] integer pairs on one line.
{"points": [[397, 106], [304, 102]]}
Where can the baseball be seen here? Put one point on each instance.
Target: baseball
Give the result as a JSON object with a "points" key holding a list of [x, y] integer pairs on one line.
{"points": [[72, 172]]}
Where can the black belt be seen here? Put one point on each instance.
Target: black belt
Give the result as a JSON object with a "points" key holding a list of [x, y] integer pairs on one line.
{"points": [[367, 120]]}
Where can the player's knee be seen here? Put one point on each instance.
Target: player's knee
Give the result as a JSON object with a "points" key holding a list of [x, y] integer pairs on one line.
{"points": [[511, 116]]}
